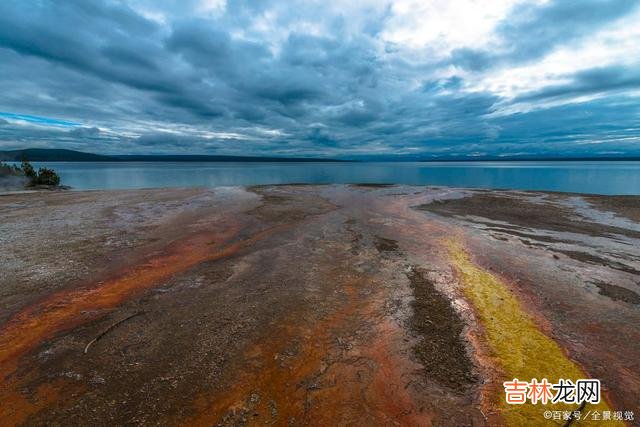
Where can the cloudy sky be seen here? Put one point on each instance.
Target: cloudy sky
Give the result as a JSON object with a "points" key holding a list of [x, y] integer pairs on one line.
{"points": [[343, 78]]}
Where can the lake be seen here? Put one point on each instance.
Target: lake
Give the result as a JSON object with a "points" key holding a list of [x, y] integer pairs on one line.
{"points": [[597, 177]]}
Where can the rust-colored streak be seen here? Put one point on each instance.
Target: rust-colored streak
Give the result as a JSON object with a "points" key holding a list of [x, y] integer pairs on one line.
{"points": [[70, 308], [279, 385], [365, 386]]}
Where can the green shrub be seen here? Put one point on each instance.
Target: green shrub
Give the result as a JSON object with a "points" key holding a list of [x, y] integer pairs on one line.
{"points": [[46, 176], [28, 170]]}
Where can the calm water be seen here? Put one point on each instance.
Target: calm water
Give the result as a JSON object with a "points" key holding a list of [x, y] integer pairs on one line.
{"points": [[581, 177]]}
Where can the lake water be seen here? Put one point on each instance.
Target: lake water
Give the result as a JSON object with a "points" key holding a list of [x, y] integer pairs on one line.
{"points": [[617, 177]]}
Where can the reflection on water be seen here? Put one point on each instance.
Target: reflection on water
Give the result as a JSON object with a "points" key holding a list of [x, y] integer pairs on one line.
{"points": [[580, 177]]}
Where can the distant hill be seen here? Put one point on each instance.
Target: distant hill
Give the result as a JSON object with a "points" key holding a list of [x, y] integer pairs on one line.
{"points": [[52, 155], [208, 158], [59, 155]]}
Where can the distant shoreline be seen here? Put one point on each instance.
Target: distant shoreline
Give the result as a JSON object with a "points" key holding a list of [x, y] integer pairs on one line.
{"points": [[287, 160], [61, 155]]}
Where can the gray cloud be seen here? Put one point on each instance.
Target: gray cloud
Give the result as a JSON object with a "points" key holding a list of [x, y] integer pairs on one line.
{"points": [[589, 82], [531, 31], [317, 82]]}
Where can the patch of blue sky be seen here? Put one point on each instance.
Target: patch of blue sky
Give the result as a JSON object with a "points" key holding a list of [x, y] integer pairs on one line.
{"points": [[46, 121]]}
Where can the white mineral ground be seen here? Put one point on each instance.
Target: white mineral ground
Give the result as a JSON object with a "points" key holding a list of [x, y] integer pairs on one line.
{"points": [[321, 305]]}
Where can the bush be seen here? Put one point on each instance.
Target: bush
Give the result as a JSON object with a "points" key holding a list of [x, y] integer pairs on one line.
{"points": [[46, 176], [28, 170]]}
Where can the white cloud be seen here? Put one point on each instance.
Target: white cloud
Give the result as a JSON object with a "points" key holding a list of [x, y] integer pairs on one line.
{"points": [[215, 7], [445, 25], [616, 45]]}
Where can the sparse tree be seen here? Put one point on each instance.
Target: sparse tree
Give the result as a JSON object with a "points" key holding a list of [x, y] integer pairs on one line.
{"points": [[46, 176], [28, 170]]}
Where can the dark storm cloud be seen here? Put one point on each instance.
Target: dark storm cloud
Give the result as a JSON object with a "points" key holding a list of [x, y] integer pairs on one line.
{"points": [[322, 137], [291, 78], [81, 132], [109, 42], [589, 82], [596, 127], [473, 59], [532, 31]]}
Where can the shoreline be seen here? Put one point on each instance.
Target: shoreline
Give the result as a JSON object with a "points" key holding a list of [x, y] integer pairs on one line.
{"points": [[602, 178], [66, 188]]}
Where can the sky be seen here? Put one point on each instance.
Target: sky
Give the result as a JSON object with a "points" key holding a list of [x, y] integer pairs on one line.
{"points": [[330, 78]]}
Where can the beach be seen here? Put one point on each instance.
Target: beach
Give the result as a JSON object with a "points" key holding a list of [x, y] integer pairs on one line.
{"points": [[313, 304]]}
